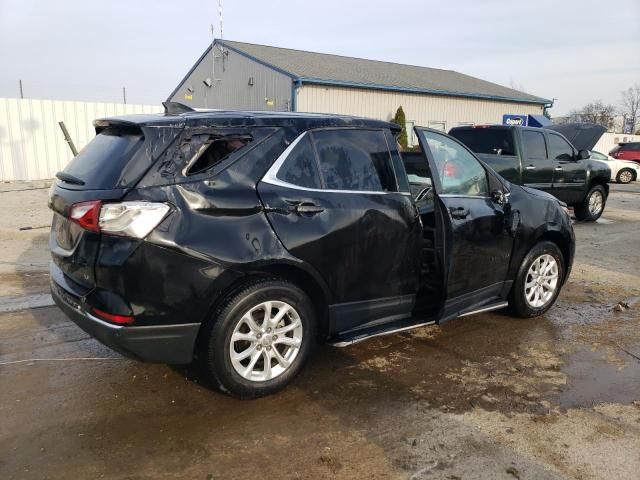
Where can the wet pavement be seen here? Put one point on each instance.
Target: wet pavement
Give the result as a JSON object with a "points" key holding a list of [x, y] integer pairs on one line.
{"points": [[487, 396]]}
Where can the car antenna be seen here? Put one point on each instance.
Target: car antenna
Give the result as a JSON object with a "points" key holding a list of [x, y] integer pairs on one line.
{"points": [[176, 108]]}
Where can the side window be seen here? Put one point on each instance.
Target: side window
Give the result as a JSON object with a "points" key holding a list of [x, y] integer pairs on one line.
{"points": [[559, 148], [460, 172], [354, 160], [205, 151], [533, 144], [300, 166]]}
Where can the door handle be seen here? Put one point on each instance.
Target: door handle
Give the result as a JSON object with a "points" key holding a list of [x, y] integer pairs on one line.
{"points": [[558, 169], [530, 167], [306, 208], [459, 212]]}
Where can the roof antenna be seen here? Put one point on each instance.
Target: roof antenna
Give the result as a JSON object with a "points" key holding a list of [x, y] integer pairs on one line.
{"points": [[221, 32]]}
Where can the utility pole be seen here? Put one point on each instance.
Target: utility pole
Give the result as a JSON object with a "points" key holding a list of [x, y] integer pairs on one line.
{"points": [[21, 93], [124, 95]]}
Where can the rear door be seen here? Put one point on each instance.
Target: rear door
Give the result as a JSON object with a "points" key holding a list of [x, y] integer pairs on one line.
{"points": [[569, 173], [334, 202], [478, 246], [537, 168]]}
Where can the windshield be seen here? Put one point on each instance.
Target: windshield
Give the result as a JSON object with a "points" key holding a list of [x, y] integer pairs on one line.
{"points": [[99, 165]]}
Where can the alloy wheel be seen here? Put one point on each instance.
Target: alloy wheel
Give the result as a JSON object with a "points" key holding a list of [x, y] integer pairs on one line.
{"points": [[541, 281], [265, 341], [626, 176], [596, 202]]}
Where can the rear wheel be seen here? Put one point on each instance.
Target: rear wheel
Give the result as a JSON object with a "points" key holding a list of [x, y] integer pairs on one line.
{"points": [[259, 338], [593, 205], [625, 176], [538, 281]]}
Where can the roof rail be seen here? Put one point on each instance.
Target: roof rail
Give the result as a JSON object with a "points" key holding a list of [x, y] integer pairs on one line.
{"points": [[175, 108]]}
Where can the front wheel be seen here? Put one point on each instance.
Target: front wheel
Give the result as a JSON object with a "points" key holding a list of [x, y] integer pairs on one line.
{"points": [[625, 176], [538, 281], [592, 206], [259, 338]]}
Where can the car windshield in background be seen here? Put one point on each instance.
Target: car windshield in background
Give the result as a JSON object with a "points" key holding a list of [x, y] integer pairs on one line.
{"points": [[490, 141], [100, 164]]}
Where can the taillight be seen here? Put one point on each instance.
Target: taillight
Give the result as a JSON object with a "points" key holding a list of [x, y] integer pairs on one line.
{"points": [[86, 214], [129, 219], [113, 318], [132, 219]]}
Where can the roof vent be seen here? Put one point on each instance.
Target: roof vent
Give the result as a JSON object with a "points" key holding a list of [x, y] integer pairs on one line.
{"points": [[175, 108]]}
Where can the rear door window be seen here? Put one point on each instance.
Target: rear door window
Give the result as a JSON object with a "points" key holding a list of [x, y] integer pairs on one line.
{"points": [[492, 141], [533, 144], [357, 160], [101, 162], [559, 148], [300, 166]]}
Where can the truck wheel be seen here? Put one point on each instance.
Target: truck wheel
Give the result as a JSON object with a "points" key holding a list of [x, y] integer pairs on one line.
{"points": [[625, 176], [258, 339], [538, 281], [592, 206]]}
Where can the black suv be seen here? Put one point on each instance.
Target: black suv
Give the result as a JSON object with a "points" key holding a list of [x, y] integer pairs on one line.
{"points": [[241, 239]]}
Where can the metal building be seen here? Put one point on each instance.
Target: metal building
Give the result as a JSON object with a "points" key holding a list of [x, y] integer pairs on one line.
{"points": [[245, 76]]}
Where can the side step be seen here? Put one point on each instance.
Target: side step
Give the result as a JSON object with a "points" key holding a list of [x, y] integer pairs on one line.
{"points": [[397, 328], [487, 308], [388, 331]]}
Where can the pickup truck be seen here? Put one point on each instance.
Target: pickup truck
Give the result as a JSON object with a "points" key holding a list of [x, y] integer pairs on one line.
{"points": [[544, 159]]}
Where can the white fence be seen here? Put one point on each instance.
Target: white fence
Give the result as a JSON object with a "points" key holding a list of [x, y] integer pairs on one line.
{"points": [[32, 146]]}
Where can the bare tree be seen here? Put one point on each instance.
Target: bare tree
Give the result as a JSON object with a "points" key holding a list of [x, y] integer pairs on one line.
{"points": [[631, 104], [595, 112]]}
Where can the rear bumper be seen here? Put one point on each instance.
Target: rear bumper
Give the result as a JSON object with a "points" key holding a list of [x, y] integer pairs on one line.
{"points": [[171, 344]]}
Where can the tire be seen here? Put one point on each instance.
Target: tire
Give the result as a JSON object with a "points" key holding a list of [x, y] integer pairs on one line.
{"points": [[250, 377], [625, 175], [592, 206], [521, 301]]}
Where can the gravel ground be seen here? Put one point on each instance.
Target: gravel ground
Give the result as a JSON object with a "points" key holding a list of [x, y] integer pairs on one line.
{"points": [[487, 396]]}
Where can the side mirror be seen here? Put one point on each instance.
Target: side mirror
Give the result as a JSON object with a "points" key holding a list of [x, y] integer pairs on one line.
{"points": [[583, 155], [500, 197]]}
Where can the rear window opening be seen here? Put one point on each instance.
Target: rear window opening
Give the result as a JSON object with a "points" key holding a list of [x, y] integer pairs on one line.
{"points": [[100, 164], [486, 140], [210, 151]]}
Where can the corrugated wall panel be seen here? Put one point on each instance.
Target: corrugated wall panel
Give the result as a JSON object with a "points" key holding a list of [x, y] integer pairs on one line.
{"points": [[420, 109], [32, 146], [232, 89]]}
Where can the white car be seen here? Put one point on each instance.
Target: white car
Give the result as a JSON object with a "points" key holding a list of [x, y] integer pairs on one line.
{"points": [[622, 171]]}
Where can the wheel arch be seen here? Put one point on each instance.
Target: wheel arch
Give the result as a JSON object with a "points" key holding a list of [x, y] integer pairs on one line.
{"points": [[563, 243], [314, 287]]}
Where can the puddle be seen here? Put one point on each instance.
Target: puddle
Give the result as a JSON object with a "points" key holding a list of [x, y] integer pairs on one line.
{"points": [[592, 380]]}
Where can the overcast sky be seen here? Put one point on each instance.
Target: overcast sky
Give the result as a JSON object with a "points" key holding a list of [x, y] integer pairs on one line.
{"points": [[573, 50]]}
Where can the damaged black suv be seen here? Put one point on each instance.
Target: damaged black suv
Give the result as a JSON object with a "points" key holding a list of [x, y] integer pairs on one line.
{"points": [[241, 239]]}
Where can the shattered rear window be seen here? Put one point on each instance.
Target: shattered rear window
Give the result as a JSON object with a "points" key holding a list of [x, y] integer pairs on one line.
{"points": [[206, 151]]}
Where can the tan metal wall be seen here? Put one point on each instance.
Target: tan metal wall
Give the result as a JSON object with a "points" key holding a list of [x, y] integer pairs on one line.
{"points": [[424, 110], [32, 146]]}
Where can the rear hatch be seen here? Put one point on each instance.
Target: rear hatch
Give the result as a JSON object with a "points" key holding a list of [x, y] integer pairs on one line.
{"points": [[106, 169]]}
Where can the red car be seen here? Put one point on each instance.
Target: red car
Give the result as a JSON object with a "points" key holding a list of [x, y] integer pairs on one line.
{"points": [[627, 151]]}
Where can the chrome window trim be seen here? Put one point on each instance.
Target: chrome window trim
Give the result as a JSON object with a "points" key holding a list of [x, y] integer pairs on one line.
{"points": [[271, 177]]}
